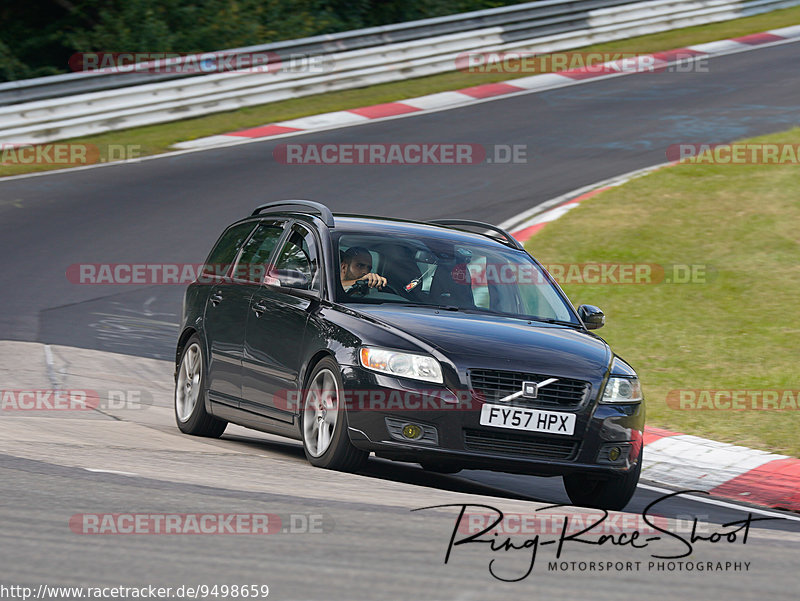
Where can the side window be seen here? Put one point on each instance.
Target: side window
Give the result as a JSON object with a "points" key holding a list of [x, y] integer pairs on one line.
{"points": [[224, 251], [254, 261], [480, 289], [298, 262]]}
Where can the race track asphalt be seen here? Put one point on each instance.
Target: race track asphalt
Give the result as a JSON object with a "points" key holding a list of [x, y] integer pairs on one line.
{"points": [[170, 210]]}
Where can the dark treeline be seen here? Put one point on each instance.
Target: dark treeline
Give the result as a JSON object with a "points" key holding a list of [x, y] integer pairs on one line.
{"points": [[37, 37]]}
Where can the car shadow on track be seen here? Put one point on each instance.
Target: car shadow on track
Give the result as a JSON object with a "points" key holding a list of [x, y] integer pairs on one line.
{"points": [[476, 482], [518, 487]]}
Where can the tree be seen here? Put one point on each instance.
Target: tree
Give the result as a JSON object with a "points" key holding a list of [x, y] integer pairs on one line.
{"points": [[38, 38]]}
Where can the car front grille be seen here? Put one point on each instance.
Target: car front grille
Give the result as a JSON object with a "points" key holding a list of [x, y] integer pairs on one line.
{"points": [[522, 446], [492, 385]]}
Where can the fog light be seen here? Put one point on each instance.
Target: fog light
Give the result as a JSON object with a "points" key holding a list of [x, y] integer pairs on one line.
{"points": [[400, 429], [614, 453], [412, 431]]}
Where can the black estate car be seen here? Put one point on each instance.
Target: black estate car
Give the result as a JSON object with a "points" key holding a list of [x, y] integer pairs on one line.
{"points": [[420, 342]]}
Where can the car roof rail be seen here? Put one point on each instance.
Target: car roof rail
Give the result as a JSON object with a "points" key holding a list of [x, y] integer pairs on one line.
{"points": [[309, 206], [509, 240]]}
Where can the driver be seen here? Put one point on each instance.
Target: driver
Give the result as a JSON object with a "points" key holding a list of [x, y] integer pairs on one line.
{"points": [[357, 265]]}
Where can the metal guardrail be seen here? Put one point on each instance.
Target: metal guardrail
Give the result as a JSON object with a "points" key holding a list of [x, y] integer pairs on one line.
{"points": [[564, 11], [80, 104]]}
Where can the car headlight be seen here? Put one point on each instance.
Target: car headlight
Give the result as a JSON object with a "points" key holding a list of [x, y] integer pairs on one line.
{"points": [[404, 365], [622, 390]]}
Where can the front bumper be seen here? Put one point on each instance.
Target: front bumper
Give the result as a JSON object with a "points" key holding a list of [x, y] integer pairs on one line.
{"points": [[460, 440]]}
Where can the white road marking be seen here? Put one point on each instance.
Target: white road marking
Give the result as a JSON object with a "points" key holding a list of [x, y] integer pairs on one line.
{"points": [[338, 118], [99, 471], [713, 501], [50, 364]]}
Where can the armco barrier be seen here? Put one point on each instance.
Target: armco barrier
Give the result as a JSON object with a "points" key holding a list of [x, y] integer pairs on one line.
{"points": [[71, 105], [550, 13]]}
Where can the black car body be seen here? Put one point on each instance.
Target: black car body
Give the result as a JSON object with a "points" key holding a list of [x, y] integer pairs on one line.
{"points": [[279, 346]]}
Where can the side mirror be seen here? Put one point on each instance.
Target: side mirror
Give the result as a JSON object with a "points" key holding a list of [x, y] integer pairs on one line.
{"points": [[593, 318], [288, 278]]}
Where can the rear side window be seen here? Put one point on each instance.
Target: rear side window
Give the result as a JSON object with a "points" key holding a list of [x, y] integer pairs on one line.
{"points": [[299, 261], [254, 262], [224, 252]]}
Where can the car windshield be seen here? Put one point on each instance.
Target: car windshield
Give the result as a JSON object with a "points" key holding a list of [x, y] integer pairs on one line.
{"points": [[445, 273]]}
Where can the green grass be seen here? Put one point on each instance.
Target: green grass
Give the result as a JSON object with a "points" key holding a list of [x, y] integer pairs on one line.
{"points": [[159, 138], [737, 331]]}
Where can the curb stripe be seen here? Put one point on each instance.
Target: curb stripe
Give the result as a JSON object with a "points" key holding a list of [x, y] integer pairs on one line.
{"points": [[677, 54], [754, 39], [694, 462], [490, 89], [718, 47], [336, 118], [582, 197], [524, 234], [652, 434], [544, 81], [263, 131], [438, 100], [535, 224], [775, 484], [388, 109]]}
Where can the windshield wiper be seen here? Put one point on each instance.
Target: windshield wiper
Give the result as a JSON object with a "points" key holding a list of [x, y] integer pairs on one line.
{"points": [[405, 304], [432, 306], [560, 322]]}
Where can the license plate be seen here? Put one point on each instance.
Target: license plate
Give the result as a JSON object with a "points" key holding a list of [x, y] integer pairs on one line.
{"points": [[531, 420]]}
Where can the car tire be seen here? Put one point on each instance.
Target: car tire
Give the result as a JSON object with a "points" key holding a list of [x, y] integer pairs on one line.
{"points": [[440, 468], [323, 421], [612, 493], [190, 394]]}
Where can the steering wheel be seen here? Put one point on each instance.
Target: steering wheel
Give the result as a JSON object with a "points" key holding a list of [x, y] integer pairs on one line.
{"points": [[361, 288]]}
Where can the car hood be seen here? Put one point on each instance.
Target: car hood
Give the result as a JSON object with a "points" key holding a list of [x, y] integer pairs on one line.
{"points": [[472, 340]]}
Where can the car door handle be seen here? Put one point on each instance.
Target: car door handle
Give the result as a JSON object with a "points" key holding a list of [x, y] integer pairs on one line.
{"points": [[259, 308], [216, 298]]}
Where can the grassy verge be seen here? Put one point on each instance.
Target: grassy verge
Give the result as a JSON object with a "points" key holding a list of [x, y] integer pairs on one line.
{"points": [[735, 331], [158, 138]]}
